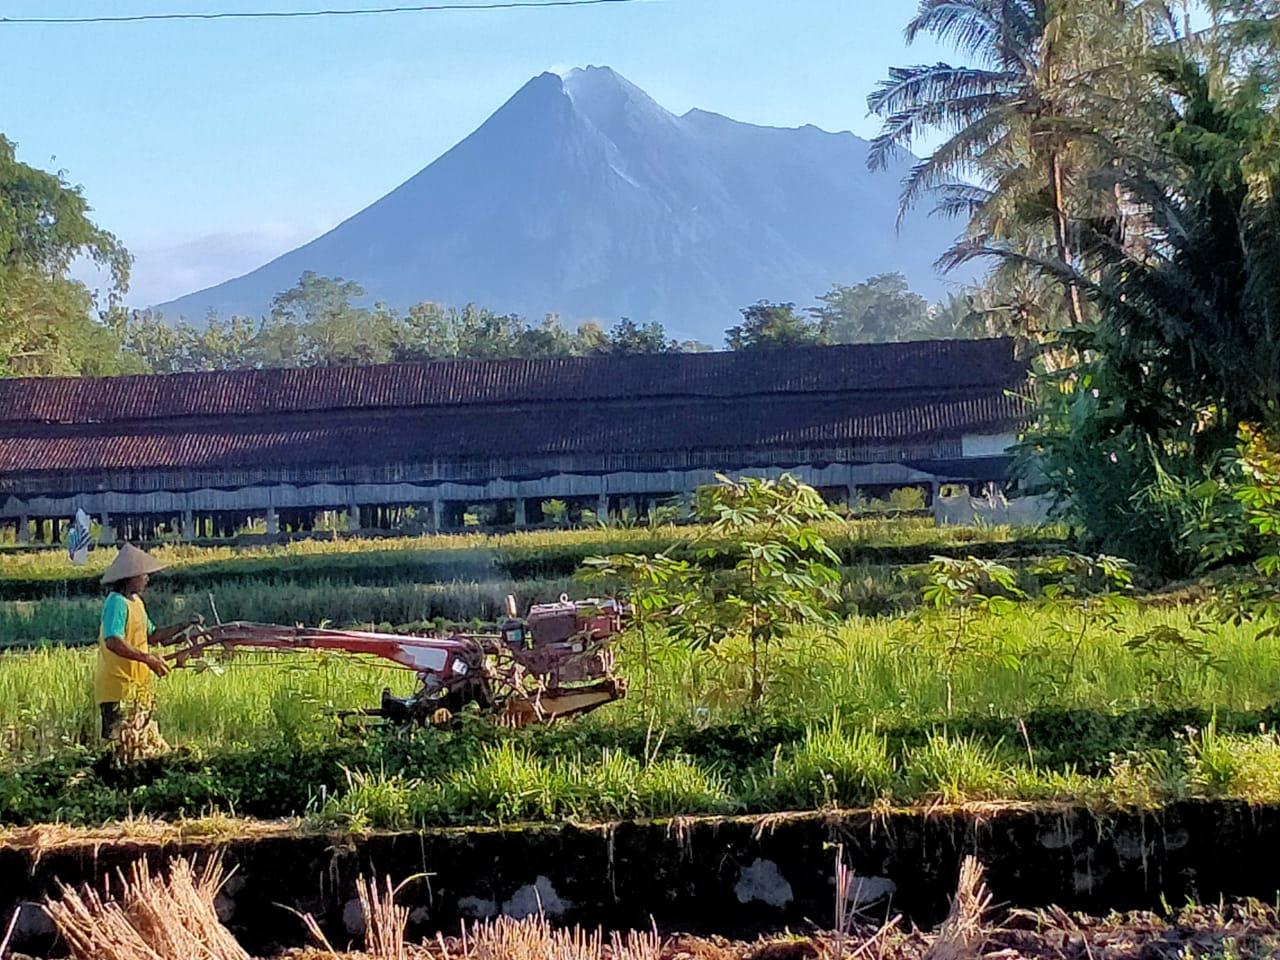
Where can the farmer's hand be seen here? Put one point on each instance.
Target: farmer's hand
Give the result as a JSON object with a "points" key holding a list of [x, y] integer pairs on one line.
{"points": [[158, 666]]}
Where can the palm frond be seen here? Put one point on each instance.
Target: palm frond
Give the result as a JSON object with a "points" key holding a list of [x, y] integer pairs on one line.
{"points": [[950, 160], [961, 200], [915, 87]]}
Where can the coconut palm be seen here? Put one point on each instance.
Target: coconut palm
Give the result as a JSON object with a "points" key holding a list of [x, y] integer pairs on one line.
{"points": [[1018, 120]]}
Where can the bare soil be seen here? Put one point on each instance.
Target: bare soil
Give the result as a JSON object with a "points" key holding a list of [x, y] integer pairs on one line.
{"points": [[1244, 931]]}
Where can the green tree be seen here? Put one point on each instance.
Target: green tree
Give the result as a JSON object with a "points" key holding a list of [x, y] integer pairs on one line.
{"points": [[316, 317], [628, 338], [547, 339], [1136, 434], [47, 325], [45, 225], [955, 319], [881, 309], [767, 325], [1017, 118]]}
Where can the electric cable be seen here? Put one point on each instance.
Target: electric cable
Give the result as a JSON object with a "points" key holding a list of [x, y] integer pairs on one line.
{"points": [[291, 14]]}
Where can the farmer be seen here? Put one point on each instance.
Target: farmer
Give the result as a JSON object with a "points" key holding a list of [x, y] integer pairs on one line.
{"points": [[125, 661]]}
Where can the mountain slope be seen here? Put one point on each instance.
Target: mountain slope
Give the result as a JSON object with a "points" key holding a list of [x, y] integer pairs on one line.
{"points": [[584, 197]]}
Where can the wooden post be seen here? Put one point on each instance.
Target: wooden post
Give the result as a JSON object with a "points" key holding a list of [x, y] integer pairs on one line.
{"points": [[520, 512], [273, 522], [353, 517], [24, 529]]}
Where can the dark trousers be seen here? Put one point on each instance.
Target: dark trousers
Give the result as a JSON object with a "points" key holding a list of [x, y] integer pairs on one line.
{"points": [[110, 717]]}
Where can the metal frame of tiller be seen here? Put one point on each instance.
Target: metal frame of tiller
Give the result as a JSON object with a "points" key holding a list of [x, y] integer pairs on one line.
{"points": [[555, 663]]}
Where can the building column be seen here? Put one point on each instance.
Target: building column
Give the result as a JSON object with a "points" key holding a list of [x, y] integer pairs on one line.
{"points": [[437, 517], [521, 520], [602, 506], [853, 496], [353, 517], [105, 533], [273, 522], [188, 525], [24, 529]]}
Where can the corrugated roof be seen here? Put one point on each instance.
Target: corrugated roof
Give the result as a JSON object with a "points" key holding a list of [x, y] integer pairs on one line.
{"points": [[643, 426], [961, 365]]}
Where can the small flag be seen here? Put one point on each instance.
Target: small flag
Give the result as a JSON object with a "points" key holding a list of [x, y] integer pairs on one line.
{"points": [[78, 539]]}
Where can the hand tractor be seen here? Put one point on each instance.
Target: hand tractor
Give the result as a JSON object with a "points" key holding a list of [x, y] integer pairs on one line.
{"points": [[555, 662]]}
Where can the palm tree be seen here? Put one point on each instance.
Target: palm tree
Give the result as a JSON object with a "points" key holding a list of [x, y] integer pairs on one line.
{"points": [[1017, 122]]}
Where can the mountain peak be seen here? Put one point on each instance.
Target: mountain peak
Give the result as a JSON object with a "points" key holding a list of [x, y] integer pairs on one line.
{"points": [[603, 95], [583, 196]]}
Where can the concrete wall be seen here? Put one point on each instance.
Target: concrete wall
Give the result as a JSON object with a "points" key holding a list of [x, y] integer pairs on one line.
{"points": [[994, 511], [733, 876]]}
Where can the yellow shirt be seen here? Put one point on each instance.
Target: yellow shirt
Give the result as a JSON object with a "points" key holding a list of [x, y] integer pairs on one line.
{"points": [[115, 678]]}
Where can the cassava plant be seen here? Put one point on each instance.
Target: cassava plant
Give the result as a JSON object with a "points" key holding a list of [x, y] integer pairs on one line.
{"points": [[957, 595], [1257, 598], [654, 585], [1083, 596], [759, 569]]}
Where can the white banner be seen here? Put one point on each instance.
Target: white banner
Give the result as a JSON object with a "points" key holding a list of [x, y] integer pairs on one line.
{"points": [[78, 539]]}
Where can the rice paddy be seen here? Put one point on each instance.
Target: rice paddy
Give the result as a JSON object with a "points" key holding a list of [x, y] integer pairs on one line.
{"points": [[1042, 702]]}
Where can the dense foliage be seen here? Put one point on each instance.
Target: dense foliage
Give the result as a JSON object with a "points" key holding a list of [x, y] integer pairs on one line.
{"points": [[1104, 151]]}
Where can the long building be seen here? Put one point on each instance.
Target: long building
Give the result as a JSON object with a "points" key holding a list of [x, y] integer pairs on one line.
{"points": [[199, 453]]}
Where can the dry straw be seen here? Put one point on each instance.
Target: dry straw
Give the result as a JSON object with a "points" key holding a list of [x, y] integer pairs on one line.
{"points": [[152, 918], [384, 922], [961, 935], [534, 939]]}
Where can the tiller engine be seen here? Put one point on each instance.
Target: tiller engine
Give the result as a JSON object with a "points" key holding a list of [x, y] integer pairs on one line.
{"points": [[556, 662]]}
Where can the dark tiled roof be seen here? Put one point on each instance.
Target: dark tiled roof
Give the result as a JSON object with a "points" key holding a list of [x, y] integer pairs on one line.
{"points": [[835, 397], [878, 368], [464, 434]]}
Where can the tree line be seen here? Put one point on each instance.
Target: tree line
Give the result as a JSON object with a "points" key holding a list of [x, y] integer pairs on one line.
{"points": [[318, 323]]}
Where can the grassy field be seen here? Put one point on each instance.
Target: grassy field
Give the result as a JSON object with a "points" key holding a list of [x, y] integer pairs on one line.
{"points": [[1050, 700], [538, 549], [409, 582], [856, 718]]}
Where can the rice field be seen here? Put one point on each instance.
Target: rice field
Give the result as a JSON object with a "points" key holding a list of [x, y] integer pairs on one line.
{"points": [[472, 552], [874, 671], [1048, 701], [855, 717]]}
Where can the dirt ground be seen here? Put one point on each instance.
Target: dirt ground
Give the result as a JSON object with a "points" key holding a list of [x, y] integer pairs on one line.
{"points": [[1246, 931]]}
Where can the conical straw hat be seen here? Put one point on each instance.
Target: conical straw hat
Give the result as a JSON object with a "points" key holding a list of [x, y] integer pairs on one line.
{"points": [[130, 562]]}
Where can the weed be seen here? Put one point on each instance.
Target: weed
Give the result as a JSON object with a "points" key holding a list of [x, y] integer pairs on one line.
{"points": [[830, 766], [955, 770]]}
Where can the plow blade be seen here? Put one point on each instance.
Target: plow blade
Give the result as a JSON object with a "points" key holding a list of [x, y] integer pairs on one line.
{"points": [[564, 702]]}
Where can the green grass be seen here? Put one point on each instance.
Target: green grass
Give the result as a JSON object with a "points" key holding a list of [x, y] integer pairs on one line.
{"points": [[874, 671], [36, 575], [854, 718], [403, 607], [1049, 702]]}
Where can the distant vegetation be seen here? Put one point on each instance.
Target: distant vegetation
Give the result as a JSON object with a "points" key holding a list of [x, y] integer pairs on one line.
{"points": [[317, 323]]}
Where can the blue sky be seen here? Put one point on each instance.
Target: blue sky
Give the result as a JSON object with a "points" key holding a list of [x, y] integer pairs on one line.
{"points": [[210, 147]]}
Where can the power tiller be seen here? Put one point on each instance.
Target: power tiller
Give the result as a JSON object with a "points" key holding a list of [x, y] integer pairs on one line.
{"points": [[555, 662]]}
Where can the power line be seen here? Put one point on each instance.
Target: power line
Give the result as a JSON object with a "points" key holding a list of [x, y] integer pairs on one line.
{"points": [[289, 14]]}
